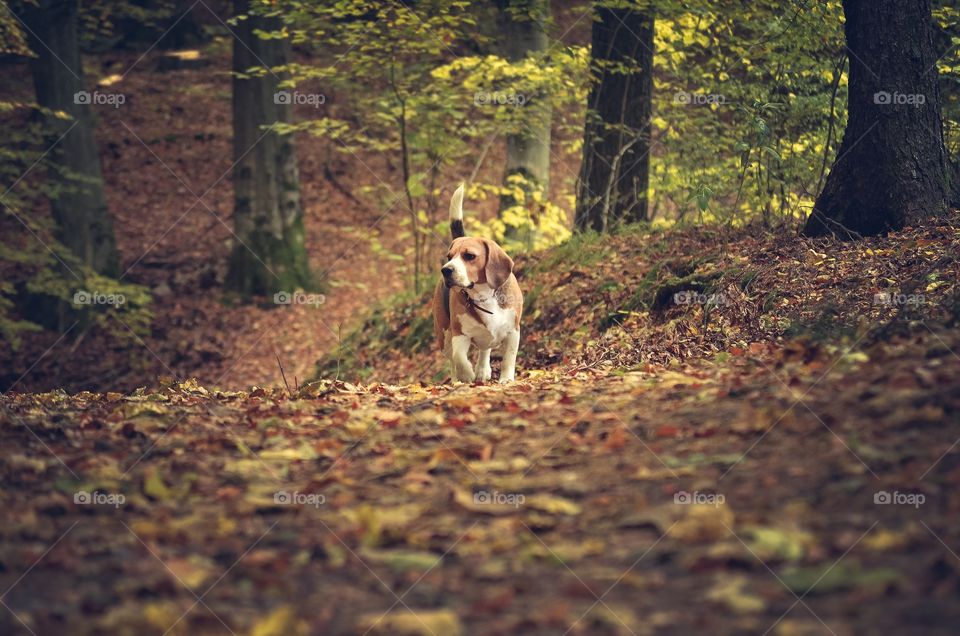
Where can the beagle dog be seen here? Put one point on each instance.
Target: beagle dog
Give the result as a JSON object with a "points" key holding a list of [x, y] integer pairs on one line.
{"points": [[478, 301]]}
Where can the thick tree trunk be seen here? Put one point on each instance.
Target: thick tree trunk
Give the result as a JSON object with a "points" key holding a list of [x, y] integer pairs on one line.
{"points": [[891, 168], [269, 255], [522, 35], [615, 172], [79, 207]]}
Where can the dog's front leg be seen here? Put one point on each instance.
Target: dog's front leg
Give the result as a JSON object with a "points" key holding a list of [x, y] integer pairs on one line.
{"points": [[509, 366], [462, 369], [483, 365]]}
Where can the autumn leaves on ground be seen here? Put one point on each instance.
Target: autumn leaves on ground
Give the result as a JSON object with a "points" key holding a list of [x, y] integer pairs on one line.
{"points": [[760, 439]]}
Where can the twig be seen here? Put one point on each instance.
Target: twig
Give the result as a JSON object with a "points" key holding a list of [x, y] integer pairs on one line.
{"points": [[80, 338], [283, 375], [483, 155], [833, 101], [339, 348], [850, 234]]}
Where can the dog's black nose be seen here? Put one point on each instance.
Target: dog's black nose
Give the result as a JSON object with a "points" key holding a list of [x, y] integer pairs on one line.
{"points": [[446, 271]]}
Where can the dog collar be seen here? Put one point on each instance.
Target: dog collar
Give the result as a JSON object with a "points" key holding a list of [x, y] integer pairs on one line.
{"points": [[472, 304]]}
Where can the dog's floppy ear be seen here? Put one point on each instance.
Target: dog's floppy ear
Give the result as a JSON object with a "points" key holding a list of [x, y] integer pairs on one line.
{"points": [[499, 265]]}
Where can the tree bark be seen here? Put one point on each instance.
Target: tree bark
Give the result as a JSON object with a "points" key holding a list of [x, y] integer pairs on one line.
{"points": [[80, 206], [891, 168], [269, 254], [523, 35], [615, 173]]}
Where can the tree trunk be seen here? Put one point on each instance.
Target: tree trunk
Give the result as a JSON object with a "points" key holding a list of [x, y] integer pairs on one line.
{"points": [[269, 255], [79, 207], [891, 168], [523, 35], [615, 172]]}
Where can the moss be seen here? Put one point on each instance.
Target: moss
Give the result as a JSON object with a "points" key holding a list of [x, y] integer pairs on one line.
{"points": [[657, 289], [608, 286], [637, 300], [263, 264], [579, 251], [747, 279], [828, 326], [664, 294], [399, 323], [770, 300]]}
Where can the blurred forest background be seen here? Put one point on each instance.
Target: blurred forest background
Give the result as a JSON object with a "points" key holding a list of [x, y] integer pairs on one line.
{"points": [[203, 188]]}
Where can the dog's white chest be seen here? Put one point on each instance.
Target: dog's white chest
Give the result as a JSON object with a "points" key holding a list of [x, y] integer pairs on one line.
{"points": [[492, 329]]}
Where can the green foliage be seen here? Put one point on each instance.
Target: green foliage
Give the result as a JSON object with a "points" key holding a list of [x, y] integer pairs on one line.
{"points": [[12, 38], [946, 14], [415, 98], [534, 223], [102, 22], [389, 50], [747, 109]]}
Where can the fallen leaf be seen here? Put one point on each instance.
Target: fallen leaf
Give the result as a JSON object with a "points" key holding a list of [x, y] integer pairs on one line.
{"points": [[412, 623]]}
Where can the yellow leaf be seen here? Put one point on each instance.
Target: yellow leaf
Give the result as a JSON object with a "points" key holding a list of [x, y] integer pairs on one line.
{"points": [[154, 487], [703, 523], [413, 623], [553, 505], [193, 571], [884, 540], [730, 592], [402, 560], [486, 503], [280, 622]]}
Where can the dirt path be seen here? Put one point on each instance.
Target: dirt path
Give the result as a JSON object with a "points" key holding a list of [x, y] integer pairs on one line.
{"points": [[555, 505]]}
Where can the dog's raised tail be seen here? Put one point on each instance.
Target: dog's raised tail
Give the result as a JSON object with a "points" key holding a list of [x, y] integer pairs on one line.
{"points": [[456, 213]]}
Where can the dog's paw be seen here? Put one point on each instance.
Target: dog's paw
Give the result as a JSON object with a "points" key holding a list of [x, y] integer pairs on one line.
{"points": [[506, 379], [464, 373], [484, 373]]}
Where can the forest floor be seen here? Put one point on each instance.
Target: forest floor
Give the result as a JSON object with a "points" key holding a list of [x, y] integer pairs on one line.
{"points": [[785, 462]]}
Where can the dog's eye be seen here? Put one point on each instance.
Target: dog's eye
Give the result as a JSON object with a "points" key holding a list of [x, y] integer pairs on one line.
{"points": [[467, 256]]}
